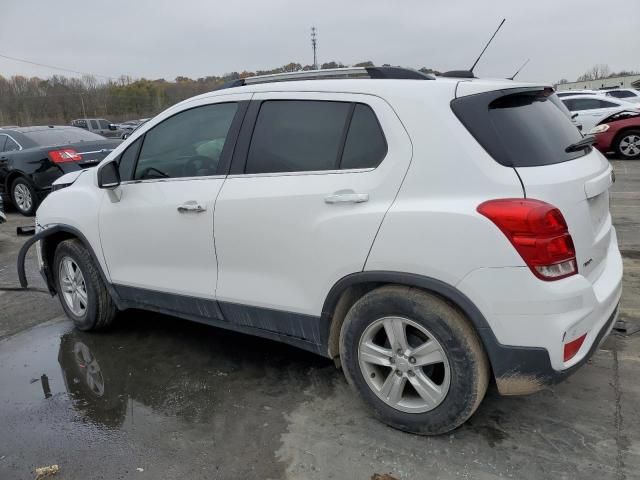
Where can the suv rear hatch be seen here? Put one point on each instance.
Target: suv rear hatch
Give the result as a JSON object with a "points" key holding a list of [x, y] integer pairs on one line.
{"points": [[529, 130]]}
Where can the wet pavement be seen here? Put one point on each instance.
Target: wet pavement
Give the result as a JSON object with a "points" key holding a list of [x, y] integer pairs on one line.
{"points": [[159, 397]]}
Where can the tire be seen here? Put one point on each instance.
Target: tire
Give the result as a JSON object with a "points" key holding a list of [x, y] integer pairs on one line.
{"points": [[24, 196], [627, 145], [99, 309], [460, 379]]}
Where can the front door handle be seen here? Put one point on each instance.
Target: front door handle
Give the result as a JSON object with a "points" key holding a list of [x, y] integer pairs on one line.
{"points": [[191, 207], [347, 198]]}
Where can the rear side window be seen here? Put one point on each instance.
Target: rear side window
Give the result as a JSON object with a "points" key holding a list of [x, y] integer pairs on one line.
{"points": [[94, 124], [522, 129], [311, 135], [365, 146]]}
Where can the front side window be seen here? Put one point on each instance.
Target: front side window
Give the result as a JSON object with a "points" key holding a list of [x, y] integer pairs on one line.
{"points": [[578, 104], [127, 160], [104, 125], [312, 135], [188, 144]]}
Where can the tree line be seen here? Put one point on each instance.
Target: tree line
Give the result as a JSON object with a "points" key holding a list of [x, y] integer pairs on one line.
{"points": [[598, 72], [59, 99]]}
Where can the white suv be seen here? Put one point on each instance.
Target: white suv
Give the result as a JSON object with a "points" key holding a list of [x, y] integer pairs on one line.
{"points": [[428, 234]]}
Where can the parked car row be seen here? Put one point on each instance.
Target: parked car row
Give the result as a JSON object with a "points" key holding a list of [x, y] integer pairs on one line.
{"points": [[590, 107], [32, 158]]}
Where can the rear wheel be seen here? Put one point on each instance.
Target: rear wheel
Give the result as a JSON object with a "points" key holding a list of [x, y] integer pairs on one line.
{"points": [[23, 196], [627, 145], [83, 295], [414, 359]]}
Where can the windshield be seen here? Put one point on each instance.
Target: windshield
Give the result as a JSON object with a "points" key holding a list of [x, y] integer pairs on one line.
{"points": [[526, 128], [50, 137]]}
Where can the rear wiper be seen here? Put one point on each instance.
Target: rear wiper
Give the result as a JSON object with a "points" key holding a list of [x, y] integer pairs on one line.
{"points": [[581, 144]]}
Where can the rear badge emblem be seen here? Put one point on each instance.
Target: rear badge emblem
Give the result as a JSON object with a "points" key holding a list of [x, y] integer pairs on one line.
{"points": [[587, 263]]}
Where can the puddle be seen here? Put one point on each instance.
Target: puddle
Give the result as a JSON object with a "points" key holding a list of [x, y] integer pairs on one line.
{"points": [[146, 394]]}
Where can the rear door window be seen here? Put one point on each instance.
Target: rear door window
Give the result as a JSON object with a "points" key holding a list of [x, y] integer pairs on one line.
{"points": [[522, 129], [314, 135], [297, 136], [94, 125], [104, 125]]}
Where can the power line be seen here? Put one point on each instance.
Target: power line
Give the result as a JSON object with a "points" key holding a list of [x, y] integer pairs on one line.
{"points": [[54, 67]]}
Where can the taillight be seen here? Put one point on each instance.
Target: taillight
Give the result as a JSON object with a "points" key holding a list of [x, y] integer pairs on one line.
{"points": [[538, 232], [571, 348], [64, 155]]}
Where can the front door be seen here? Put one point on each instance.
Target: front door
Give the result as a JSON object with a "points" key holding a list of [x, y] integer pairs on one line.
{"points": [[157, 226], [313, 180]]}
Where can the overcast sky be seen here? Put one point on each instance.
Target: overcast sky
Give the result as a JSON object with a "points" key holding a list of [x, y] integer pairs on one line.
{"points": [[195, 38]]}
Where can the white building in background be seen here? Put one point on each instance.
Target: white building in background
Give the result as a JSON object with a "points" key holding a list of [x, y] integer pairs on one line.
{"points": [[628, 81]]}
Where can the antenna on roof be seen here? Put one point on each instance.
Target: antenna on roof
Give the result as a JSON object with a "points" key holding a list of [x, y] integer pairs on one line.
{"points": [[518, 71], [469, 73], [487, 45]]}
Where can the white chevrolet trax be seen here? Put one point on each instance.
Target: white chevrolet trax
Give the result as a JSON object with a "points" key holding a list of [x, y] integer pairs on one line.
{"points": [[429, 234]]}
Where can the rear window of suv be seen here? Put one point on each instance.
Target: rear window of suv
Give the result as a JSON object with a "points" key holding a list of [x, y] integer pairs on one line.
{"points": [[525, 128]]}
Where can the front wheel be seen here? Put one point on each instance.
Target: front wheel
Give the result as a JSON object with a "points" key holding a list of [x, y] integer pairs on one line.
{"points": [[414, 359], [83, 295]]}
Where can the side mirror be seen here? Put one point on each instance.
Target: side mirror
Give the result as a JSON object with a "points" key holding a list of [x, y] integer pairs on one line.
{"points": [[109, 175], [112, 126]]}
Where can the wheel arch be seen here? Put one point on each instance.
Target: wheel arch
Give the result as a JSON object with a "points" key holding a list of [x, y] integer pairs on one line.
{"points": [[352, 287], [623, 131], [49, 239], [11, 177]]}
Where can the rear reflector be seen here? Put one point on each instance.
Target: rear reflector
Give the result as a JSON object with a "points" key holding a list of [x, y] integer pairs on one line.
{"points": [[571, 348], [65, 155], [539, 233]]}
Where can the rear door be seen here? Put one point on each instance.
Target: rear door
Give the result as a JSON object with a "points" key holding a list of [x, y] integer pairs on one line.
{"points": [[527, 131], [309, 186]]}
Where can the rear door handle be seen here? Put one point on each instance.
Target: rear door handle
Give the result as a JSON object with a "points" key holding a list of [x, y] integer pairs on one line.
{"points": [[347, 198], [191, 207]]}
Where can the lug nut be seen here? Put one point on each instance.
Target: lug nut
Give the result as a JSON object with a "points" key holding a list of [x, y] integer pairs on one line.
{"points": [[399, 351], [392, 360], [398, 373], [412, 359], [410, 372]]}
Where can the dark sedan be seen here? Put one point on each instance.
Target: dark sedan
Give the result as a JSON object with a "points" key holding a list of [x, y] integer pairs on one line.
{"points": [[32, 158]]}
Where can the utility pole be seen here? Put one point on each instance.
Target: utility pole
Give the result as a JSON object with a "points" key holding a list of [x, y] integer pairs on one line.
{"points": [[84, 114], [314, 45]]}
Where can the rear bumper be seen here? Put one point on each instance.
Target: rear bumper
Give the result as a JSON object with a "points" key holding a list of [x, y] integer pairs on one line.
{"points": [[530, 320]]}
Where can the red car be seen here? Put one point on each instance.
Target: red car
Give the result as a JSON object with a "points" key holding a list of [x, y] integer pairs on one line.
{"points": [[619, 133]]}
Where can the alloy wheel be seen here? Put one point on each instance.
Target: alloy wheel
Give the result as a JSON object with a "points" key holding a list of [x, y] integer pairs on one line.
{"points": [[73, 286], [630, 145], [22, 197], [404, 364]]}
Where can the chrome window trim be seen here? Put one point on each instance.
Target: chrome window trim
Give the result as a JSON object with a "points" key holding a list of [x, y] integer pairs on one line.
{"points": [[17, 142], [296, 174], [174, 179]]}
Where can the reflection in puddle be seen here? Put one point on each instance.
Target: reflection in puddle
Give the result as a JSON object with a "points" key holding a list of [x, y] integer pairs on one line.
{"points": [[153, 388]]}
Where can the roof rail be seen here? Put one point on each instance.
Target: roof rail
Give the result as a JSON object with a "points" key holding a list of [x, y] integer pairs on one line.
{"points": [[397, 73]]}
